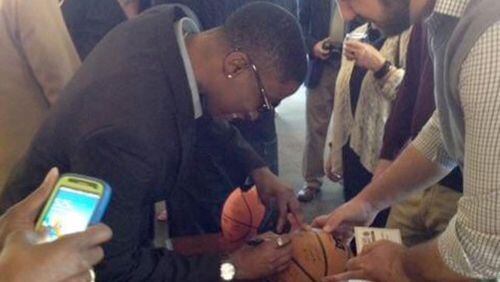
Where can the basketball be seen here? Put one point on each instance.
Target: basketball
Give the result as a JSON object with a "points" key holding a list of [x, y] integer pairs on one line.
{"points": [[242, 215], [316, 254]]}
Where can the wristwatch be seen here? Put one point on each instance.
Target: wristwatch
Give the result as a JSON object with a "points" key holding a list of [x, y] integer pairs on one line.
{"points": [[227, 271], [383, 71]]}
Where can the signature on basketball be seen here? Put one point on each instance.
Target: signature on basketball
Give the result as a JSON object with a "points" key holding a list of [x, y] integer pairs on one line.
{"points": [[339, 244]]}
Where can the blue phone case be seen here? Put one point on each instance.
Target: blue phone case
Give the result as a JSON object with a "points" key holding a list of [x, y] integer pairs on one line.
{"points": [[103, 202], [103, 205]]}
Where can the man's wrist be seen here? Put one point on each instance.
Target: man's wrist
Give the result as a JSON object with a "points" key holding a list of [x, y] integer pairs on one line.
{"points": [[6, 271], [382, 69], [380, 61], [259, 174], [227, 262], [227, 271], [371, 197], [367, 204], [409, 266]]}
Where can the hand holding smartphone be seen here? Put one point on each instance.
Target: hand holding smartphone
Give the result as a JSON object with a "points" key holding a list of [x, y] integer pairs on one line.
{"points": [[76, 202]]}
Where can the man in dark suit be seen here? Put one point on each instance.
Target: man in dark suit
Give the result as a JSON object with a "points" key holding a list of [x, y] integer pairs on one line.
{"points": [[321, 23], [89, 21], [131, 116], [259, 132]]}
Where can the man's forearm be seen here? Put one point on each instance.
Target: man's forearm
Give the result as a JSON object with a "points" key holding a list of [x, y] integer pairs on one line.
{"points": [[424, 263], [10, 272], [410, 172], [4, 269]]}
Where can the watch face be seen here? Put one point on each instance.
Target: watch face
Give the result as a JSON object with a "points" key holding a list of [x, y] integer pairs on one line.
{"points": [[227, 271]]}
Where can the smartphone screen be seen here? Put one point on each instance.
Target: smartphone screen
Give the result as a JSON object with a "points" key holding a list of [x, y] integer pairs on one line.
{"points": [[70, 212]]}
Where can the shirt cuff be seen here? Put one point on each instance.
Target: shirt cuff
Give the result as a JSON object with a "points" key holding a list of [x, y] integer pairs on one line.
{"points": [[469, 253], [429, 142], [452, 252]]}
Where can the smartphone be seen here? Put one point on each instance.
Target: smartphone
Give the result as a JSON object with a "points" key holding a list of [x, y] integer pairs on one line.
{"points": [[76, 202]]}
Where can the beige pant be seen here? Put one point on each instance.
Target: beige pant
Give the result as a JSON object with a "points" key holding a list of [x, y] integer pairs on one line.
{"points": [[319, 106], [424, 215]]}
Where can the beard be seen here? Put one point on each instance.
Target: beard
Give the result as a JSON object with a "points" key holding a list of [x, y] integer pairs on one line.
{"points": [[397, 17]]}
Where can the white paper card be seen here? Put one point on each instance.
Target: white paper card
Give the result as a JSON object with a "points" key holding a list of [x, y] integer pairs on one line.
{"points": [[367, 235]]}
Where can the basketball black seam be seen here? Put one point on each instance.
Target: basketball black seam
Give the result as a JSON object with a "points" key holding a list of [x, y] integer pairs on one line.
{"points": [[241, 237], [248, 207], [239, 222], [324, 253], [303, 270]]}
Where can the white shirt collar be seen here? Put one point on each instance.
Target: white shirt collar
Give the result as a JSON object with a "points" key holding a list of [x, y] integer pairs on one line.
{"points": [[182, 28]]}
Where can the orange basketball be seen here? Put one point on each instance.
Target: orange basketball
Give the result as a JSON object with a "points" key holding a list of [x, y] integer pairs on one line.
{"points": [[316, 254], [241, 215]]}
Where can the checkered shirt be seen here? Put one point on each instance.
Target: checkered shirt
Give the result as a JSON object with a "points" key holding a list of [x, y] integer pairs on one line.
{"points": [[471, 243]]}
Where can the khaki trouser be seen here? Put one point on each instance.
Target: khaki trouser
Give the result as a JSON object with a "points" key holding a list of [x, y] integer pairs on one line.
{"points": [[319, 106], [424, 215]]}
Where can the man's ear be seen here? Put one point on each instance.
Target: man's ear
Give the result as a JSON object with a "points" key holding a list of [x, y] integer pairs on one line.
{"points": [[235, 63]]}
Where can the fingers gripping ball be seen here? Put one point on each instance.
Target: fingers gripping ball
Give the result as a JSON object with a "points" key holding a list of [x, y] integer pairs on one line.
{"points": [[316, 254], [242, 215]]}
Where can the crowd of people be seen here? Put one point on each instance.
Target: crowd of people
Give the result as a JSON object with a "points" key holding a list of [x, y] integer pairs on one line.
{"points": [[174, 101]]}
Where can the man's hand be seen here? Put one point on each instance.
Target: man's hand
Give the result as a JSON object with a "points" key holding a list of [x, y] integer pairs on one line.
{"points": [[67, 259], [271, 187], [330, 172], [254, 262], [320, 52], [341, 222], [380, 261], [22, 216], [364, 55]]}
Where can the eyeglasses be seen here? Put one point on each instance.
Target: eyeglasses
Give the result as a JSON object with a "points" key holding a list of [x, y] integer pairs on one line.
{"points": [[266, 106]]}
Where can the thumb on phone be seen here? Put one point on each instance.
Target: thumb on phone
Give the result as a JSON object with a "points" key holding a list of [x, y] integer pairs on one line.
{"points": [[35, 201]]}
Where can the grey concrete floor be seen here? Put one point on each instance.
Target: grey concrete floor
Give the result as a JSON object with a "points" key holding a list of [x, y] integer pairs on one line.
{"points": [[291, 127]]}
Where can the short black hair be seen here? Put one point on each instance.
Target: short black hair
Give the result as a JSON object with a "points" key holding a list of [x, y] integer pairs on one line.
{"points": [[271, 36]]}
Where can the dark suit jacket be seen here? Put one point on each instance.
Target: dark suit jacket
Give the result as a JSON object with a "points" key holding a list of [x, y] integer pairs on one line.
{"points": [[127, 118], [314, 17]]}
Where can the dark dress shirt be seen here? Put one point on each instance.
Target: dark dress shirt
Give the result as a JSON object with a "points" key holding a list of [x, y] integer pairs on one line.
{"points": [[414, 104]]}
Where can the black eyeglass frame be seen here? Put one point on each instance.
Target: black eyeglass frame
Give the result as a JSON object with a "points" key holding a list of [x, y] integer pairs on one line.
{"points": [[266, 106]]}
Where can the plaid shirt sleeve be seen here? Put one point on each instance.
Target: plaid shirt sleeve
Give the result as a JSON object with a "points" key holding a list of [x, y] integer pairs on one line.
{"points": [[471, 244], [429, 143]]}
